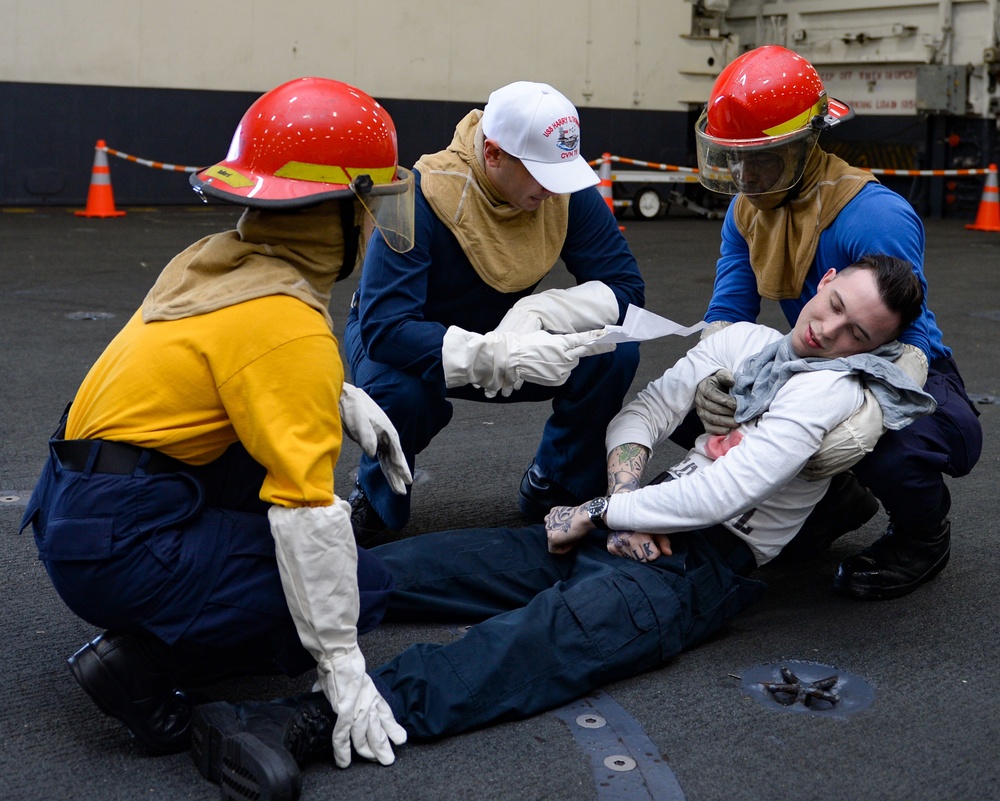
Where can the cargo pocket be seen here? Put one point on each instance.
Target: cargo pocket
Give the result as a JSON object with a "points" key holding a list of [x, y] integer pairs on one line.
{"points": [[612, 612], [76, 539]]}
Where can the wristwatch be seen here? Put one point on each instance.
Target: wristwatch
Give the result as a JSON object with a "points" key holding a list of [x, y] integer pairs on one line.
{"points": [[596, 509]]}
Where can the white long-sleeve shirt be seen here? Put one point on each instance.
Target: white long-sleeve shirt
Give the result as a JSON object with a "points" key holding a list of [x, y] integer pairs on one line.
{"points": [[753, 489]]}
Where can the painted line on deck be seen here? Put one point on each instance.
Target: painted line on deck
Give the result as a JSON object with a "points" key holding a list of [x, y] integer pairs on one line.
{"points": [[626, 764]]}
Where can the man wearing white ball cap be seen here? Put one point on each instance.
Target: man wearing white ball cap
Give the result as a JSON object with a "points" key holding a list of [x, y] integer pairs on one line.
{"points": [[455, 316]]}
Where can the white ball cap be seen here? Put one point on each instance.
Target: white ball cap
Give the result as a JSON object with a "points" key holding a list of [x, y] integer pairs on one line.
{"points": [[538, 125]]}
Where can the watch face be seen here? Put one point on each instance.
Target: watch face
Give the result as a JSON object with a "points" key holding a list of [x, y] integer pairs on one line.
{"points": [[596, 508]]}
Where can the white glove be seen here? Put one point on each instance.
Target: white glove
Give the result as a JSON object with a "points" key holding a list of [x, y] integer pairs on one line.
{"points": [[847, 444], [318, 563], [713, 328], [367, 719], [563, 311], [502, 362], [364, 421], [713, 403]]}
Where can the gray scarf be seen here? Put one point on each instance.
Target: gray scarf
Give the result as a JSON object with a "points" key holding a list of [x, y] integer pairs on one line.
{"points": [[902, 401]]}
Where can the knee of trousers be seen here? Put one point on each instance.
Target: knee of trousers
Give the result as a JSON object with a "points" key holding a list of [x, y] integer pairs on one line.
{"points": [[375, 586], [596, 389], [906, 472], [418, 409]]}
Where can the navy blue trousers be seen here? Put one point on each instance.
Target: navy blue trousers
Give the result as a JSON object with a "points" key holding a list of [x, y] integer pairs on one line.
{"points": [[906, 469], [186, 556], [548, 629], [571, 451]]}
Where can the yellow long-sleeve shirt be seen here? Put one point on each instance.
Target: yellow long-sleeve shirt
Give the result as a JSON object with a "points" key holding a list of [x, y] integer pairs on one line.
{"points": [[266, 372]]}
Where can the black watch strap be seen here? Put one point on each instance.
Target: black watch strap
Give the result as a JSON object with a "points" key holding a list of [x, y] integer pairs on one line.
{"points": [[597, 509]]}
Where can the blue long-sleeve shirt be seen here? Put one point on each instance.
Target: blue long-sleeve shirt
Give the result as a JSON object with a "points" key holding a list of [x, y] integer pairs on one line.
{"points": [[407, 301], [876, 220]]}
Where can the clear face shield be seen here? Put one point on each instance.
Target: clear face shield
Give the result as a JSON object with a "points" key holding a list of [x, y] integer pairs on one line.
{"points": [[390, 207], [754, 167]]}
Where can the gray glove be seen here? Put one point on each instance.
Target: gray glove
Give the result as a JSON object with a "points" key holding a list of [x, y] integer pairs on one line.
{"points": [[713, 403]]}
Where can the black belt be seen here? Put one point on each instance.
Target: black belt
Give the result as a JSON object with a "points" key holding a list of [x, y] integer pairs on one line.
{"points": [[118, 458]]}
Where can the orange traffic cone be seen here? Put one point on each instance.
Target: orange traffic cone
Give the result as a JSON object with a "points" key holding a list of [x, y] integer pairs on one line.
{"points": [[604, 186], [988, 216], [100, 198]]}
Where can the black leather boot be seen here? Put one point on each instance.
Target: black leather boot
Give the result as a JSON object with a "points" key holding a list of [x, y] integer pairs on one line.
{"points": [[897, 563], [254, 750], [846, 507], [369, 528], [538, 494], [129, 677]]}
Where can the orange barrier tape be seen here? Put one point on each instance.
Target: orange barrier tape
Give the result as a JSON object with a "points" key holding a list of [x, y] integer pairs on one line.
{"points": [[916, 173], [649, 164], [935, 173], [158, 165]]}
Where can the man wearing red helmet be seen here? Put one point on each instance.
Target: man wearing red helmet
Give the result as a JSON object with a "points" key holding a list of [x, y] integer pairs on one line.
{"points": [[455, 316], [798, 212], [188, 503]]}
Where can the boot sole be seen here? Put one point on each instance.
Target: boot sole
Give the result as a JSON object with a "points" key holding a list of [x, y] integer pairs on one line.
{"points": [[873, 592], [110, 697], [211, 724], [251, 771]]}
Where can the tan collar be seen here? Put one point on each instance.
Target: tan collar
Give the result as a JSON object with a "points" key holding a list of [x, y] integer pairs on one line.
{"points": [[783, 241], [297, 253], [510, 249]]}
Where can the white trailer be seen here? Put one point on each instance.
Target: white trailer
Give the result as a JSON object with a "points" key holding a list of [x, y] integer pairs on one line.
{"points": [[937, 61], [895, 57]]}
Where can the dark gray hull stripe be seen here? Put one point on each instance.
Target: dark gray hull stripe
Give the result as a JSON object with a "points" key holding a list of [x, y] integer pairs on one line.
{"points": [[626, 764]]}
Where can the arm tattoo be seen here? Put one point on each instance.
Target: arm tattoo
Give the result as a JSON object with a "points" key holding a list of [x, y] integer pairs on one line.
{"points": [[625, 465]]}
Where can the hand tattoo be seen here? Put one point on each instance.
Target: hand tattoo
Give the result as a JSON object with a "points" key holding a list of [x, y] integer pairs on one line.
{"points": [[621, 541], [559, 518]]}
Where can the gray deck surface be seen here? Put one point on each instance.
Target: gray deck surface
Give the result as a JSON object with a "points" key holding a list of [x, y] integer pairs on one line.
{"points": [[932, 659]]}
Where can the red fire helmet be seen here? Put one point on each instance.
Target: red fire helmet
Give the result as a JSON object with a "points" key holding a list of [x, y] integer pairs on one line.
{"points": [[763, 117], [310, 140]]}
